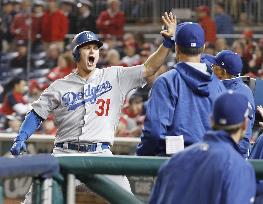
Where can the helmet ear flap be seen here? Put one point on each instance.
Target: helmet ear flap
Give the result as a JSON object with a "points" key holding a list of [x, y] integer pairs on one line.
{"points": [[76, 54]]}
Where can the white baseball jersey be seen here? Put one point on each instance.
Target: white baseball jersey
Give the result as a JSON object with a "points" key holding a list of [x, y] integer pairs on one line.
{"points": [[88, 110]]}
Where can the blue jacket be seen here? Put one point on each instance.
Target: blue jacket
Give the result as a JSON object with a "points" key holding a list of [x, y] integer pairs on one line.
{"points": [[180, 104], [238, 85], [211, 172]]}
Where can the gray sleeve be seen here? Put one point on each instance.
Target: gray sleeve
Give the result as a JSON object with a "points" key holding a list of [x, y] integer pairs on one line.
{"points": [[130, 78], [47, 102]]}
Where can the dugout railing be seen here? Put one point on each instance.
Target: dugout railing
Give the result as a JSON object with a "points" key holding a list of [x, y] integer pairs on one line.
{"points": [[89, 170]]}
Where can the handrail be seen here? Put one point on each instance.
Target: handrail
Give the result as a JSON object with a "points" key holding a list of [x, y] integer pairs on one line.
{"points": [[51, 138]]}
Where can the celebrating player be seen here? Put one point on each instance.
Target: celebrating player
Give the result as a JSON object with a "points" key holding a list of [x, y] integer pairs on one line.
{"points": [[181, 99], [87, 103]]}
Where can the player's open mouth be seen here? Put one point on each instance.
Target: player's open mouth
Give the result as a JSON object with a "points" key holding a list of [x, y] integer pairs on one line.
{"points": [[91, 60]]}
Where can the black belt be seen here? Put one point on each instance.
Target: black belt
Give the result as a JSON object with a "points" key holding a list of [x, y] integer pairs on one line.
{"points": [[92, 147]]}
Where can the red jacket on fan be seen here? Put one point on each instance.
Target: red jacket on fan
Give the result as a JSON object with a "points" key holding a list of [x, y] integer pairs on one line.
{"points": [[20, 26], [114, 27], [54, 26]]}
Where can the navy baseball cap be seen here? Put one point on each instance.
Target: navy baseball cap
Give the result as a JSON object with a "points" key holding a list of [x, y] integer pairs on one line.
{"points": [[228, 60], [230, 109], [190, 35]]}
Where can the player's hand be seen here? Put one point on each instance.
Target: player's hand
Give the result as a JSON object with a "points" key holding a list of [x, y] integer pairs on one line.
{"points": [[17, 147], [260, 110], [170, 22]]}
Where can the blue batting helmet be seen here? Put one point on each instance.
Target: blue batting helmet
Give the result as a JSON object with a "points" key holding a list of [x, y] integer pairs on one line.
{"points": [[82, 39]]}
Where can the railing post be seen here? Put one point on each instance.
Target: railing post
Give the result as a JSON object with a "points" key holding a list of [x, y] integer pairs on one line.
{"points": [[1, 192], [37, 190], [71, 189], [155, 12]]}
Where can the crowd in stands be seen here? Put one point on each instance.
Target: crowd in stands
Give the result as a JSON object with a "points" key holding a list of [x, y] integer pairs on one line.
{"points": [[51, 56]]}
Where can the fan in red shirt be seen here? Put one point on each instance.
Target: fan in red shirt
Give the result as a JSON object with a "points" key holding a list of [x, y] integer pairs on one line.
{"points": [[131, 120], [207, 23], [14, 101], [111, 21], [54, 25], [63, 68]]}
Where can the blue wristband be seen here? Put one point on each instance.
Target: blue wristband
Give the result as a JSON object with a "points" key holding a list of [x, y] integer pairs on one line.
{"points": [[168, 42]]}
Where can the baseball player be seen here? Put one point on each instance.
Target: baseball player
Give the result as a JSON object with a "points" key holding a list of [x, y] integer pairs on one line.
{"points": [[87, 103], [212, 171], [228, 66], [181, 99]]}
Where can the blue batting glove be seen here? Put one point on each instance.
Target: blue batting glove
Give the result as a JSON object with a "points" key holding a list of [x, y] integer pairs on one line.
{"points": [[17, 147]]}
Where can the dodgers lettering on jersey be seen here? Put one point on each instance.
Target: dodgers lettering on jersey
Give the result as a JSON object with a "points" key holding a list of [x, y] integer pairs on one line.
{"points": [[74, 100], [88, 110]]}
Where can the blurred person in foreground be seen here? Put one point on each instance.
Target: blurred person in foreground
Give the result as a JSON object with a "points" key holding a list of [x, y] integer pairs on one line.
{"points": [[187, 90], [228, 66], [212, 171]]}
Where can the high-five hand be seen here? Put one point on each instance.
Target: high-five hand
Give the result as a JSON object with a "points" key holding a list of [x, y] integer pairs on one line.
{"points": [[170, 22]]}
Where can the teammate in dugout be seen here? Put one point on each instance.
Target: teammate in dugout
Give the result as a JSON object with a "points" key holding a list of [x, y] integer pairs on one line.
{"points": [[86, 104], [228, 66], [181, 99], [212, 171]]}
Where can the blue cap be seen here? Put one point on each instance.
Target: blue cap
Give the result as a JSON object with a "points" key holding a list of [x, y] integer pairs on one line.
{"points": [[190, 35], [230, 108], [228, 60]]}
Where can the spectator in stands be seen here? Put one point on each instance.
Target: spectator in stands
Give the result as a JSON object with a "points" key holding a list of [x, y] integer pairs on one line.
{"points": [[54, 26], [7, 17], [207, 23], [210, 49], [130, 52], [216, 173], [13, 123], [220, 45], [17, 5], [113, 59], [53, 53], [35, 90], [14, 100], [86, 21], [63, 68], [22, 24], [131, 120], [48, 126], [224, 22], [38, 12], [21, 60], [68, 8], [239, 47], [112, 20]]}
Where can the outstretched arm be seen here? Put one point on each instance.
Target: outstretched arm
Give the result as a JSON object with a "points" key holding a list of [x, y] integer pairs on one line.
{"points": [[28, 127], [153, 63]]}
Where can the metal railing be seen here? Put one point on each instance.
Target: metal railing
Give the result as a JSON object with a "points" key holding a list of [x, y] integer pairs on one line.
{"points": [[150, 10], [88, 170]]}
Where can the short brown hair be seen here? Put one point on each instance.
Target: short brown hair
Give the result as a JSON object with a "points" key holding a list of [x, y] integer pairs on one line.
{"points": [[191, 50]]}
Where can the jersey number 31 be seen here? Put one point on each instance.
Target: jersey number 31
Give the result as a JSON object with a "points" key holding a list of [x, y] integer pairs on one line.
{"points": [[104, 107]]}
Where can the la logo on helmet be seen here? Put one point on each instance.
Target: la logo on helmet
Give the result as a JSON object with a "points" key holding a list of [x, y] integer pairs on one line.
{"points": [[89, 36]]}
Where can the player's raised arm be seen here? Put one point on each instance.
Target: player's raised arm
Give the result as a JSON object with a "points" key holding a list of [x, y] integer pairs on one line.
{"points": [[153, 63]]}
